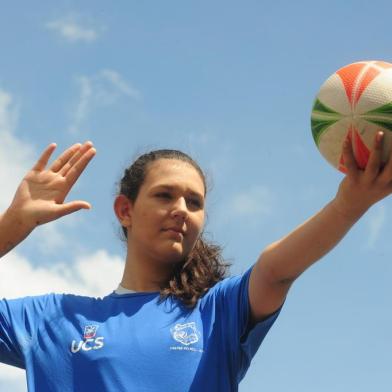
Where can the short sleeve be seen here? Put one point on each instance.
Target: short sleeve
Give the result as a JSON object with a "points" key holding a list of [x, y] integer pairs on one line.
{"points": [[232, 306], [19, 320]]}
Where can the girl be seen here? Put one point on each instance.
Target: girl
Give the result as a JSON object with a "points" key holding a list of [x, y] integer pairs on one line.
{"points": [[175, 323]]}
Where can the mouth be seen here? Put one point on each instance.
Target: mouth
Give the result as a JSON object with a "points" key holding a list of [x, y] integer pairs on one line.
{"points": [[175, 233], [175, 230]]}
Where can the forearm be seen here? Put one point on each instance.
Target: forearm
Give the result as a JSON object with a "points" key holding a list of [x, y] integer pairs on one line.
{"points": [[13, 230], [286, 259]]}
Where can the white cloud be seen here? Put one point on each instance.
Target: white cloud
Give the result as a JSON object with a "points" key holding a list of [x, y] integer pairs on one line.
{"points": [[8, 113], [119, 83], [249, 204], [102, 89], [12, 379], [95, 275], [255, 201], [15, 156], [220, 162], [72, 30], [50, 238], [375, 222], [82, 106]]}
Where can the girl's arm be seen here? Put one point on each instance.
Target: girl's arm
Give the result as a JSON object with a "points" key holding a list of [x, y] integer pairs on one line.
{"points": [[283, 261], [13, 230]]}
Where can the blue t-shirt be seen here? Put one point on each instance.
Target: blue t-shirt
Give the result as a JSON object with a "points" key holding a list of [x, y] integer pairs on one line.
{"points": [[129, 342]]}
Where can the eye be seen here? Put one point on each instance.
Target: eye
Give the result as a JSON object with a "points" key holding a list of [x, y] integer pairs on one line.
{"points": [[165, 195], [196, 203]]}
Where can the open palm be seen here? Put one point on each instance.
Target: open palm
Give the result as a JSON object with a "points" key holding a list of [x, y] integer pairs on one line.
{"points": [[40, 196]]}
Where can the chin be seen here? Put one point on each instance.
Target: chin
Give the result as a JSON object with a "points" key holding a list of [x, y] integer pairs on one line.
{"points": [[174, 256]]}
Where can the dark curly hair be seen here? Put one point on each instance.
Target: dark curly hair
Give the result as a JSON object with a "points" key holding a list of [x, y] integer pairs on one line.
{"points": [[204, 266]]}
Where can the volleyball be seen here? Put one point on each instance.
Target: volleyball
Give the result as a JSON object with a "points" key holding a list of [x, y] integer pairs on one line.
{"points": [[356, 101]]}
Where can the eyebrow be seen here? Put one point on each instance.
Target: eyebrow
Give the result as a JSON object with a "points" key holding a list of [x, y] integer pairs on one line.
{"points": [[170, 187]]}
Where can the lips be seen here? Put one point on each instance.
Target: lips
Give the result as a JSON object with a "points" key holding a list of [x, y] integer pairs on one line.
{"points": [[177, 230]]}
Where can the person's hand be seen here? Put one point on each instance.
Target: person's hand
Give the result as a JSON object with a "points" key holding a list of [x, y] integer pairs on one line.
{"points": [[40, 196], [360, 189]]}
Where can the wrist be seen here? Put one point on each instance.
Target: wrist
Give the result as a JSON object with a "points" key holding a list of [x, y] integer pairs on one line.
{"points": [[348, 210], [14, 216]]}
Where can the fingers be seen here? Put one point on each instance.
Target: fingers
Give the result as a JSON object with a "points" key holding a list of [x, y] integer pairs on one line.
{"points": [[348, 156], [75, 157], [374, 164], [77, 168], [72, 161], [44, 158], [386, 174], [64, 157]]}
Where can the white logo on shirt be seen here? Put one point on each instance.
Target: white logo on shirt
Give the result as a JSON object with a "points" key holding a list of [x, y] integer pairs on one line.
{"points": [[185, 333], [89, 342]]}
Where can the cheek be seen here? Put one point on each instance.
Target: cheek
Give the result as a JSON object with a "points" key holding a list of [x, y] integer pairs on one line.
{"points": [[197, 227], [200, 221], [151, 221], [148, 213]]}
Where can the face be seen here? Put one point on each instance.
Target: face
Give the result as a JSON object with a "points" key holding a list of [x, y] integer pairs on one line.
{"points": [[171, 199]]}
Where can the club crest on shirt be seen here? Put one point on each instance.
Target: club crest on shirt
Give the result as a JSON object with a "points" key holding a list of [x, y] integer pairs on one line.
{"points": [[185, 333], [90, 331]]}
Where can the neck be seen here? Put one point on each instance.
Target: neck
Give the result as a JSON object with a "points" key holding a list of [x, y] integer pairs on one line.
{"points": [[141, 274]]}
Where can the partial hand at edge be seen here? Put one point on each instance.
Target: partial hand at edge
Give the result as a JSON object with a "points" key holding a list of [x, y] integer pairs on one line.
{"points": [[360, 189]]}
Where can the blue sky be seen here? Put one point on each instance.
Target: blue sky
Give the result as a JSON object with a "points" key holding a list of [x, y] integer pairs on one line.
{"points": [[231, 83]]}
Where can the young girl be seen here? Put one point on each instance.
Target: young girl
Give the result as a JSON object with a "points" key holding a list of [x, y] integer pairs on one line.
{"points": [[175, 323]]}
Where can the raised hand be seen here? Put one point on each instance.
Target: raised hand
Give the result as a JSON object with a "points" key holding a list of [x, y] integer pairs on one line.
{"points": [[360, 189], [40, 196]]}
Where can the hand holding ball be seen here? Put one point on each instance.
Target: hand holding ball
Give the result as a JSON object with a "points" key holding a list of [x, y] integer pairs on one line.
{"points": [[354, 102]]}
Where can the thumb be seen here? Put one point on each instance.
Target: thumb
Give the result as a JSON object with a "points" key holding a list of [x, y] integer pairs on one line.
{"points": [[73, 206]]}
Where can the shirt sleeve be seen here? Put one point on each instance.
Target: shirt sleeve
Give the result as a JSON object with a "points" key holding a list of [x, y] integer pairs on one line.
{"points": [[19, 320], [232, 303]]}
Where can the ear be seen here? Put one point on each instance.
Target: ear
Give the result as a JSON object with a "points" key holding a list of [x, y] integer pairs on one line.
{"points": [[123, 208]]}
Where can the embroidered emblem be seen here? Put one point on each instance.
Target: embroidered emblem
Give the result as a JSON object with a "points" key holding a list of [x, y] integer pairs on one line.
{"points": [[90, 331], [185, 333]]}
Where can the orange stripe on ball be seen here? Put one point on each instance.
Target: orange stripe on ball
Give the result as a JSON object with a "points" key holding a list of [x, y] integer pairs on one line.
{"points": [[361, 152]]}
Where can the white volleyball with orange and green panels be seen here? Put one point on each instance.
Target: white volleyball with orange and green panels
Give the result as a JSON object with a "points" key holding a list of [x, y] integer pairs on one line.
{"points": [[355, 101]]}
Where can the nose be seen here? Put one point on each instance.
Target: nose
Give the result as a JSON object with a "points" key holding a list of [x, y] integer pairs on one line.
{"points": [[180, 209]]}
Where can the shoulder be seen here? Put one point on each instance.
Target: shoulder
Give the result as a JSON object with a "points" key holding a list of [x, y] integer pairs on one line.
{"points": [[233, 281], [229, 287], [29, 301], [45, 302]]}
